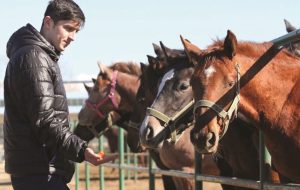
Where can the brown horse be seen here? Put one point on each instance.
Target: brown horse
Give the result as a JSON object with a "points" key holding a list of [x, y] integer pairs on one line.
{"points": [[259, 80]]}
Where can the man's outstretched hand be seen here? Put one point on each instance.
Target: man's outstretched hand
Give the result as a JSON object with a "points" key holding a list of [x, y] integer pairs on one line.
{"points": [[95, 159]]}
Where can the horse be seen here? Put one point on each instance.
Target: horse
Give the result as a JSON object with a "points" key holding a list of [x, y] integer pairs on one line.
{"points": [[257, 81], [112, 100]]}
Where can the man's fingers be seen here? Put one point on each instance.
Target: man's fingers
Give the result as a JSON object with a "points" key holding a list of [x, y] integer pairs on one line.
{"points": [[96, 159]]}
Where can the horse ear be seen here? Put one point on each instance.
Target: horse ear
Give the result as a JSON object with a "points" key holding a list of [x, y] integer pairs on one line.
{"points": [[105, 71], [151, 60], [230, 44], [143, 67], [165, 49], [191, 50], [288, 26], [158, 51], [94, 80], [100, 67], [87, 88]]}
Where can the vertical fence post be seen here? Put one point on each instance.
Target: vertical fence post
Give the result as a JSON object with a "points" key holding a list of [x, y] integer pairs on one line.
{"points": [[135, 161], [264, 160], [151, 175], [77, 176], [128, 161], [73, 124], [101, 168], [261, 160], [87, 176], [198, 170], [121, 158]]}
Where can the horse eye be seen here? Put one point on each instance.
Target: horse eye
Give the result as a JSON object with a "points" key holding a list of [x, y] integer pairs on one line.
{"points": [[230, 84], [183, 86]]}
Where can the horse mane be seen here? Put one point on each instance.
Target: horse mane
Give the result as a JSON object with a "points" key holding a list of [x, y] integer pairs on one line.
{"points": [[127, 67]]}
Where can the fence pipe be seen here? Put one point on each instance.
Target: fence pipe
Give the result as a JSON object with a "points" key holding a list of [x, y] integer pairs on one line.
{"points": [[214, 179], [135, 161], [87, 176], [101, 168], [198, 170], [151, 174], [121, 158], [128, 156], [77, 176], [291, 37]]}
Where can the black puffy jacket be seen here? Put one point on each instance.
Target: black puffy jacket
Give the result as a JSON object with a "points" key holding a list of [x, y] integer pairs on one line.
{"points": [[37, 136]]}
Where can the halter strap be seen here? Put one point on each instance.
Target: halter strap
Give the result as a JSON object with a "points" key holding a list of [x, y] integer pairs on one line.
{"points": [[110, 96], [170, 121], [225, 115]]}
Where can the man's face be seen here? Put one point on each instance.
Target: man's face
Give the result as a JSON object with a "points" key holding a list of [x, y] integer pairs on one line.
{"points": [[62, 33]]}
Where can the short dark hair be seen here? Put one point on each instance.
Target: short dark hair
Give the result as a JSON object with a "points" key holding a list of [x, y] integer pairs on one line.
{"points": [[64, 10]]}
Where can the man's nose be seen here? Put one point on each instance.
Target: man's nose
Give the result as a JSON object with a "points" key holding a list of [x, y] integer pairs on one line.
{"points": [[72, 36]]}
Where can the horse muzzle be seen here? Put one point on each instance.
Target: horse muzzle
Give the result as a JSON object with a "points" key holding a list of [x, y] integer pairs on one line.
{"points": [[204, 143]]}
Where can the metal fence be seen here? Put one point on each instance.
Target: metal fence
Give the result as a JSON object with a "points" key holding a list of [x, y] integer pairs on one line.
{"points": [[197, 176], [152, 171]]}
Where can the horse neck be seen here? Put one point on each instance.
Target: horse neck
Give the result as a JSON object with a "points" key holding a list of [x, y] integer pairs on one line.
{"points": [[265, 91]]}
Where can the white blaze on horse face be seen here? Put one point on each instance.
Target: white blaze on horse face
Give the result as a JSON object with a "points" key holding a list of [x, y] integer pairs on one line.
{"points": [[168, 76], [144, 125], [209, 71]]}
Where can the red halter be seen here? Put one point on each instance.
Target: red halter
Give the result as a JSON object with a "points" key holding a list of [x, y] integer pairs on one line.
{"points": [[110, 96]]}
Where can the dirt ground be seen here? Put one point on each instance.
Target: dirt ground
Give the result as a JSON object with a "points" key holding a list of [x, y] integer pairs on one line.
{"points": [[111, 181]]}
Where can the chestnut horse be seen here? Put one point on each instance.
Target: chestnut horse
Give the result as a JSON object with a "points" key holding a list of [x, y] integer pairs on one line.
{"points": [[259, 81]]}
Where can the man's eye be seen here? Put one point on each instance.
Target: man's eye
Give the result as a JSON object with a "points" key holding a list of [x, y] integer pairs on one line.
{"points": [[69, 29]]}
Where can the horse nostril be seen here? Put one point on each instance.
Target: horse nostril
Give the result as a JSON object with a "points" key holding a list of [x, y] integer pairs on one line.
{"points": [[150, 132], [210, 139]]}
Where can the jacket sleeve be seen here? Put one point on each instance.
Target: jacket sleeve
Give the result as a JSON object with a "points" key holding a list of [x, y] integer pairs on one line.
{"points": [[37, 95]]}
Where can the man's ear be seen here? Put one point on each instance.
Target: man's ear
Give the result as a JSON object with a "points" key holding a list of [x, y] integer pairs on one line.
{"points": [[47, 22]]}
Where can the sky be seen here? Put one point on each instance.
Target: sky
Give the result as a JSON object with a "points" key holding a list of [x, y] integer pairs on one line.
{"points": [[125, 30]]}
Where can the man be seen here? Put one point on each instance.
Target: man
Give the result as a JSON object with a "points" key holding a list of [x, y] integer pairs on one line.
{"points": [[39, 147]]}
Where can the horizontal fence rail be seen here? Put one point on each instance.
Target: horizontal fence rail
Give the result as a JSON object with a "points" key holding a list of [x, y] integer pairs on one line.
{"points": [[214, 179]]}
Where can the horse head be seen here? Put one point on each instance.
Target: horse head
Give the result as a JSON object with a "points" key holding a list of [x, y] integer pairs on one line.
{"points": [[216, 75], [106, 105], [172, 93]]}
